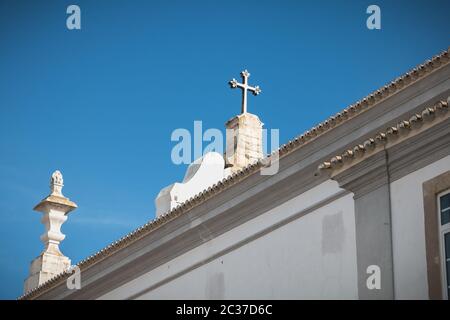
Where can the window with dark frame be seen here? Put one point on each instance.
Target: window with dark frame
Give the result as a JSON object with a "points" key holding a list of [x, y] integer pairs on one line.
{"points": [[444, 216]]}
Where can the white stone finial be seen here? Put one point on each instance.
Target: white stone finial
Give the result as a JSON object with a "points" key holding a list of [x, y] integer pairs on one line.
{"points": [[245, 87], [55, 209], [56, 183]]}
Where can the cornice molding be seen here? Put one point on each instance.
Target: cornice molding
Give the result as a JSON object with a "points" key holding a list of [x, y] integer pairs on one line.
{"points": [[390, 137], [394, 153], [365, 176]]}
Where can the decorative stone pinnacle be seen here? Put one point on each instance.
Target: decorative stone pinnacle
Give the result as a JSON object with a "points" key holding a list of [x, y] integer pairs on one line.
{"points": [[245, 87], [55, 208]]}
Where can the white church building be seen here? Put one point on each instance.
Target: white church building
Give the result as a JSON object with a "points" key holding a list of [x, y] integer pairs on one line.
{"points": [[359, 208]]}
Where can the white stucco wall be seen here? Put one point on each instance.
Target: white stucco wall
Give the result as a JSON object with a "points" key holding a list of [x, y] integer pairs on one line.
{"points": [[311, 257], [410, 268]]}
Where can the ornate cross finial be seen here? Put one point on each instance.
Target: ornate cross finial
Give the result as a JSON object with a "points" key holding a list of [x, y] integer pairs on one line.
{"points": [[244, 86], [56, 183]]}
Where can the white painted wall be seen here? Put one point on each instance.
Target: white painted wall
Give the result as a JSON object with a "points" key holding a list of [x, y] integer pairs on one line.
{"points": [[311, 257], [408, 228]]}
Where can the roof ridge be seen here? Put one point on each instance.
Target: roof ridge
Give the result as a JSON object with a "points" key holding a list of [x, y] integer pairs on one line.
{"points": [[343, 116]]}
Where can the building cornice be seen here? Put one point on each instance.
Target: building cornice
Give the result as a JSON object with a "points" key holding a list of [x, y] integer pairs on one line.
{"points": [[386, 139]]}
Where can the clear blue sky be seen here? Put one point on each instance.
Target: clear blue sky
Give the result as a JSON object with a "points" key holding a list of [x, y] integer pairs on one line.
{"points": [[101, 103]]}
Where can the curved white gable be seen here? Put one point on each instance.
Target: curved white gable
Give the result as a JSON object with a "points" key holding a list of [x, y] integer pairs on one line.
{"points": [[201, 174]]}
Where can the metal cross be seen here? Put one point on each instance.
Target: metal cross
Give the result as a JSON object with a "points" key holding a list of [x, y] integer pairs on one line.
{"points": [[244, 86]]}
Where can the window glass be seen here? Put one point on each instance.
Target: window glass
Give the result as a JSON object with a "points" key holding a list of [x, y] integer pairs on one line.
{"points": [[447, 260], [445, 209], [447, 245]]}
